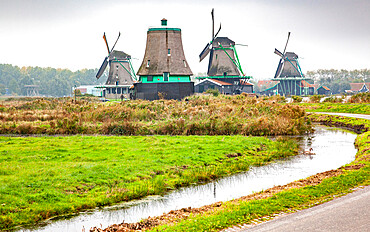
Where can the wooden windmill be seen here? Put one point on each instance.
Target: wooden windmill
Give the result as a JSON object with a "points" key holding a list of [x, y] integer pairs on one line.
{"points": [[121, 75], [289, 73], [164, 71], [224, 64]]}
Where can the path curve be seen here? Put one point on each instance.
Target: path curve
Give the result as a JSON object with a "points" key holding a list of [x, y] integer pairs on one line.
{"points": [[347, 213]]}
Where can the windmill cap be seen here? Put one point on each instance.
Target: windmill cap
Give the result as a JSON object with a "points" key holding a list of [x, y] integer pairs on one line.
{"points": [[164, 22]]}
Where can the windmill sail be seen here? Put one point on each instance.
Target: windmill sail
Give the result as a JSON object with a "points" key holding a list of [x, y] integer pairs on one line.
{"points": [[102, 68]]}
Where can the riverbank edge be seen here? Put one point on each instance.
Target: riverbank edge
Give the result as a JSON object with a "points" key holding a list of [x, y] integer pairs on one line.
{"points": [[266, 205]]}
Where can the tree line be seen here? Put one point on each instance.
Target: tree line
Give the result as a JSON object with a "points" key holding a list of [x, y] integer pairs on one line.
{"points": [[50, 81], [59, 82], [338, 80]]}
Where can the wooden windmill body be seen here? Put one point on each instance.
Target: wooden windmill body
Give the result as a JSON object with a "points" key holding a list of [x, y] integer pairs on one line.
{"points": [[164, 71]]}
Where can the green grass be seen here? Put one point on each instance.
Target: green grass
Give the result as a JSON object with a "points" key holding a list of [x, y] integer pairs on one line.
{"points": [[42, 177], [358, 125], [286, 201], [354, 108]]}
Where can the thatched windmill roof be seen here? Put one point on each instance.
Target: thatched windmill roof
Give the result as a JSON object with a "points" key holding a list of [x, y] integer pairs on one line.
{"points": [[164, 53]]}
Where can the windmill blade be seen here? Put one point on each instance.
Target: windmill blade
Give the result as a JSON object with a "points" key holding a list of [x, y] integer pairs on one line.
{"points": [[102, 68], [205, 52], [106, 42], [286, 42], [214, 37], [119, 34], [279, 68], [213, 23], [277, 52]]}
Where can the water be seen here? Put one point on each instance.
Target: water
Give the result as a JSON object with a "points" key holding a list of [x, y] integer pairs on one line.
{"points": [[333, 149]]}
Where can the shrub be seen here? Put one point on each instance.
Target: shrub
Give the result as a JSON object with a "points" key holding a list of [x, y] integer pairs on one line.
{"points": [[315, 98], [214, 92], [297, 98], [360, 98]]}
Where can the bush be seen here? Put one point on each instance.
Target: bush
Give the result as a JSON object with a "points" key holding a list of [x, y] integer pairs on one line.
{"points": [[214, 92], [297, 98], [334, 99], [360, 98], [315, 98]]}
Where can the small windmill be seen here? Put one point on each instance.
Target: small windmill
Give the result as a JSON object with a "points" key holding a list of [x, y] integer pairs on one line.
{"points": [[288, 64], [120, 67], [289, 73], [224, 64], [223, 58]]}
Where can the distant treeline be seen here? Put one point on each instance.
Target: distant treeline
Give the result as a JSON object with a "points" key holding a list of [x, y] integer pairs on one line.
{"points": [[50, 81], [338, 80]]}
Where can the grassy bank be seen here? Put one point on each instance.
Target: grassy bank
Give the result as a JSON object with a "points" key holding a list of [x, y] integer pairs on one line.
{"points": [[197, 115], [42, 177], [353, 108], [357, 125], [258, 207]]}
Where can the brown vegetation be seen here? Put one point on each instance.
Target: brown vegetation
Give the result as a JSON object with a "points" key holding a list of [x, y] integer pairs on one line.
{"points": [[197, 115]]}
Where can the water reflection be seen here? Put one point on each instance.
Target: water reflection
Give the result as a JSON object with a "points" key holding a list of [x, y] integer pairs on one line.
{"points": [[332, 148]]}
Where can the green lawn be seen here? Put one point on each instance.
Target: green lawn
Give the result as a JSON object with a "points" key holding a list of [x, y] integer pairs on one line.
{"points": [[42, 177], [354, 108]]}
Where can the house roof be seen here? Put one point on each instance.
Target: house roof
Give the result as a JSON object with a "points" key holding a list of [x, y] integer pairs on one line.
{"points": [[267, 84], [214, 81], [220, 82], [355, 87], [306, 84], [324, 87], [244, 82]]}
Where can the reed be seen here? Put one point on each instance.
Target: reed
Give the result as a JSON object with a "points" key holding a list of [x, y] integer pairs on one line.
{"points": [[198, 115]]}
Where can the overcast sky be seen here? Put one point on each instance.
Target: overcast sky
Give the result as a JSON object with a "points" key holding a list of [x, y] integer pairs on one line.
{"points": [[68, 34]]}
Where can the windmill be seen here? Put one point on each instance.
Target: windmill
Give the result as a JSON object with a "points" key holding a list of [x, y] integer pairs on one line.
{"points": [[223, 59], [289, 73], [224, 64], [288, 64], [164, 71], [121, 75]]}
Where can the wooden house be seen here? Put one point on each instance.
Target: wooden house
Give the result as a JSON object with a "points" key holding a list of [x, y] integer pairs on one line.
{"points": [[359, 88], [323, 90]]}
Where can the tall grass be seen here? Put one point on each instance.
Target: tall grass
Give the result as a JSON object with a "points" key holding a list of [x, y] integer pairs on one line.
{"points": [[198, 115]]}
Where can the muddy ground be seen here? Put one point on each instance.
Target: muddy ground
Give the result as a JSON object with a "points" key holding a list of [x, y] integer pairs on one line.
{"points": [[176, 215]]}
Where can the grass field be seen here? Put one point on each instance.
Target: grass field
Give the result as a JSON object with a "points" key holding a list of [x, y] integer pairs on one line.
{"points": [[354, 108], [41, 177]]}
